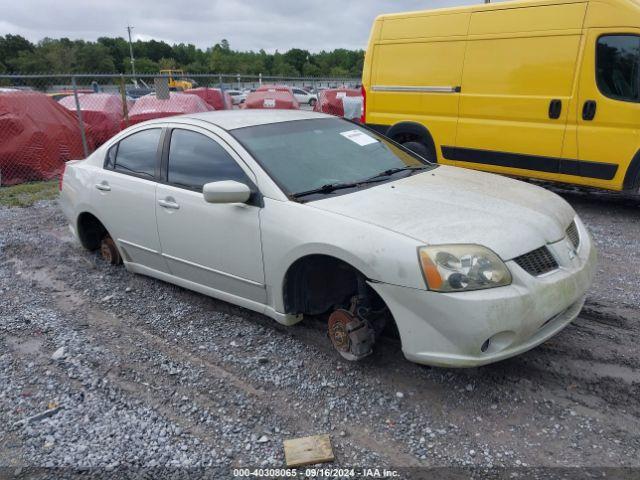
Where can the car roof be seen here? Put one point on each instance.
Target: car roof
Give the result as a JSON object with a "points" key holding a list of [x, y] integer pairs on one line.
{"points": [[232, 119]]}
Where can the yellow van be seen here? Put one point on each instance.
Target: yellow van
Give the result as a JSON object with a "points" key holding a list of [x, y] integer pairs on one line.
{"points": [[539, 89]]}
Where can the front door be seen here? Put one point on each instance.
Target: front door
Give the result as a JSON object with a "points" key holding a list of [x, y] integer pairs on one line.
{"points": [[609, 106], [214, 245]]}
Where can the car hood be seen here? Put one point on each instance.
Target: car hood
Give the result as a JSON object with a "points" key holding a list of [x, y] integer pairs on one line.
{"points": [[455, 205]]}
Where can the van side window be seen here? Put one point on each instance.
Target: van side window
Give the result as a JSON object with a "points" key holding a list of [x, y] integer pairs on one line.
{"points": [[617, 67]]}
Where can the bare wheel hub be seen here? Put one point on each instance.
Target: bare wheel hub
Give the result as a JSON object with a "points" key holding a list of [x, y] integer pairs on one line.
{"points": [[352, 337], [109, 251]]}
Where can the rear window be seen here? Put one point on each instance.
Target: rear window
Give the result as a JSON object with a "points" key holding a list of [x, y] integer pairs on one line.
{"points": [[137, 154], [617, 61]]}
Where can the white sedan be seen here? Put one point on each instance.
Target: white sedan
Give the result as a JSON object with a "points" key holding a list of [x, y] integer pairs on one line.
{"points": [[294, 213], [305, 98], [237, 97]]}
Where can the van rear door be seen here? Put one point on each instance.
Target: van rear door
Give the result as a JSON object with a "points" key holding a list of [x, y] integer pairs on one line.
{"points": [[517, 86]]}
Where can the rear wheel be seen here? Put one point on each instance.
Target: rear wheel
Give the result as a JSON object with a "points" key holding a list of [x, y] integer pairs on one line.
{"points": [[421, 149], [109, 251], [312, 102]]}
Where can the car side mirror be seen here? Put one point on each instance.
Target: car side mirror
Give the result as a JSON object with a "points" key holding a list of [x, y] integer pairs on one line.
{"points": [[227, 191]]}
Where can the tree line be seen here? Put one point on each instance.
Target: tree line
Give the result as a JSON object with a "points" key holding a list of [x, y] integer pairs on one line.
{"points": [[111, 55]]}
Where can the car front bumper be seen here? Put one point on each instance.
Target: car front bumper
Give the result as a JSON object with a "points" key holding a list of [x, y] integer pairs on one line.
{"points": [[470, 329]]}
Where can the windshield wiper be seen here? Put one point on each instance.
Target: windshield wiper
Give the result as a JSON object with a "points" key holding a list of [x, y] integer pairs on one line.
{"points": [[393, 171], [328, 188], [332, 187]]}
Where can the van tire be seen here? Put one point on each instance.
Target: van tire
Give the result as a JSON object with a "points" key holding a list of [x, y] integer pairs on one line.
{"points": [[421, 149]]}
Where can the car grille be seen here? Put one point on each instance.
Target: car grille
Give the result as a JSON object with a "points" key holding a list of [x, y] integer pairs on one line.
{"points": [[537, 262], [574, 236]]}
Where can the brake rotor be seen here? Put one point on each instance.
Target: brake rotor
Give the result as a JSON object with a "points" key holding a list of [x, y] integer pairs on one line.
{"points": [[351, 336]]}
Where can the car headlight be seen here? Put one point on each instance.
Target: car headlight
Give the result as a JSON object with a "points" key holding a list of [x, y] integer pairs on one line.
{"points": [[458, 268]]}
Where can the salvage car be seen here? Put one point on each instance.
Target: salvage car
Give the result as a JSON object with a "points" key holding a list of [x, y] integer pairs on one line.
{"points": [[293, 213]]}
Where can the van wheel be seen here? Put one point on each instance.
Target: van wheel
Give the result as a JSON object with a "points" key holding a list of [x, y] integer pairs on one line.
{"points": [[109, 251], [421, 150]]}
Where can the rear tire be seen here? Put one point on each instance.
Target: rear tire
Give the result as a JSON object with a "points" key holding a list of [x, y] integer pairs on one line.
{"points": [[421, 149], [312, 102], [109, 251]]}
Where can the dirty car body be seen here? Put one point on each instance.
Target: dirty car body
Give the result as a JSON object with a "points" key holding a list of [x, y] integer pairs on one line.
{"points": [[293, 213]]}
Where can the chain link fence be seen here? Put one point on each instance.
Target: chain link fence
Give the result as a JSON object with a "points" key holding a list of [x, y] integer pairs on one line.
{"points": [[46, 120]]}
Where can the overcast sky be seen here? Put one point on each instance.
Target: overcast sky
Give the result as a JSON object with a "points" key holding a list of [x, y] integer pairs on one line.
{"points": [[247, 24]]}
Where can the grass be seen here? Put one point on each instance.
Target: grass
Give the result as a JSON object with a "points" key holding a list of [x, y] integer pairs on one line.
{"points": [[26, 194]]}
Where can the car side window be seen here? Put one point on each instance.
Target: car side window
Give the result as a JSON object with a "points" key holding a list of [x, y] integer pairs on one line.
{"points": [[195, 159], [136, 154], [299, 92], [617, 67]]}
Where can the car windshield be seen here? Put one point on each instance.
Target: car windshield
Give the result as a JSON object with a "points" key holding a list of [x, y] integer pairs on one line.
{"points": [[327, 154]]}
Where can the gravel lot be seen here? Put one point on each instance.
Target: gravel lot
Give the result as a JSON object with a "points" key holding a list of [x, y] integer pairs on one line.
{"points": [[140, 373]]}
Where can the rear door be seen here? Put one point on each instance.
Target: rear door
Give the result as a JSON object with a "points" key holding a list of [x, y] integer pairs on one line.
{"points": [[124, 197], [609, 106], [215, 245]]}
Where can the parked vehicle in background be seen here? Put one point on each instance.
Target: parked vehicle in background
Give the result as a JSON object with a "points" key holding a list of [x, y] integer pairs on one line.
{"points": [[332, 101], [271, 99], [37, 135], [245, 206], [237, 96], [305, 98], [103, 112], [177, 80], [178, 103], [547, 90], [215, 97], [274, 88]]}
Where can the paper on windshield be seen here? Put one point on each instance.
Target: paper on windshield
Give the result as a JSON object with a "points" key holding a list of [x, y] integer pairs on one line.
{"points": [[359, 137]]}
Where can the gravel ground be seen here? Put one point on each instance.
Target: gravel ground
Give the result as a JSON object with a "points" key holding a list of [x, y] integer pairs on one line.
{"points": [[136, 373]]}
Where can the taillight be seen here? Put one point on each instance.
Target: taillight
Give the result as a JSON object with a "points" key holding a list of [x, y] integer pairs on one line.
{"points": [[61, 177], [363, 118]]}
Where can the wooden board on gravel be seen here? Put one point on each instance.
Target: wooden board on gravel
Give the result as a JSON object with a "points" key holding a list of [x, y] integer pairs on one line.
{"points": [[308, 450]]}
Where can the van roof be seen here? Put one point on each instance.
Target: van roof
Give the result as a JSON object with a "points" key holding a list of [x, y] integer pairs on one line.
{"points": [[501, 6]]}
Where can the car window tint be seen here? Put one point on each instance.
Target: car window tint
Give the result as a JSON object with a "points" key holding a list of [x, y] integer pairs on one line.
{"points": [[617, 66], [138, 153], [195, 159]]}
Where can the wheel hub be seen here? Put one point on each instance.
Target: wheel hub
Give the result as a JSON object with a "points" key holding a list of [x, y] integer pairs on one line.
{"points": [[109, 251]]}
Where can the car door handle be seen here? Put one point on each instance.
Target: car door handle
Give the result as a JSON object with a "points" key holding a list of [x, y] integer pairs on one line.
{"points": [[104, 186], [589, 110], [168, 204], [555, 109]]}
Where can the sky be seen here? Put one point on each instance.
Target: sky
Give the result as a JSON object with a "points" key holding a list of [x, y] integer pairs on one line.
{"points": [[246, 24]]}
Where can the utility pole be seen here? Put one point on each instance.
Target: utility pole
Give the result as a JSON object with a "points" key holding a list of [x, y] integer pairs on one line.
{"points": [[133, 62]]}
